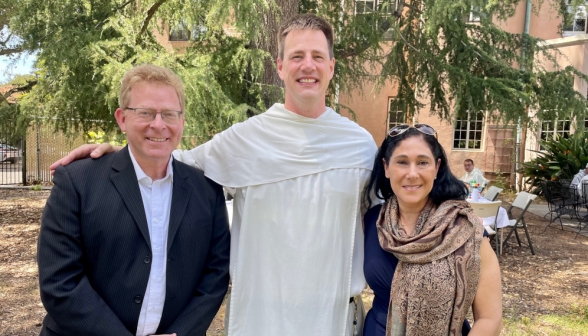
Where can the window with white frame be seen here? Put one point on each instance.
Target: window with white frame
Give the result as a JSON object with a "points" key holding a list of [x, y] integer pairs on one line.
{"points": [[386, 9], [475, 14], [182, 32], [552, 128], [365, 6], [395, 117], [575, 19], [558, 128], [179, 34], [468, 131]]}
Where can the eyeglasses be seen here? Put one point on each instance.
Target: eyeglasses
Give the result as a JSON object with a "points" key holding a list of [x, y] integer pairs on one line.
{"points": [[423, 128], [147, 115]]}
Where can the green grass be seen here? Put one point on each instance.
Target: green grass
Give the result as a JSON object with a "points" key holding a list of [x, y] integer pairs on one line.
{"points": [[572, 323]]}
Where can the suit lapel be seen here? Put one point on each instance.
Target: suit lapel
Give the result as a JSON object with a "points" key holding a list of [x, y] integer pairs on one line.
{"points": [[181, 192], [124, 179]]}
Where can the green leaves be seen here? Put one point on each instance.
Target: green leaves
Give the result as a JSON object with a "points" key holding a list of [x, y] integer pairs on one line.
{"points": [[455, 65], [432, 52], [85, 48], [561, 158]]}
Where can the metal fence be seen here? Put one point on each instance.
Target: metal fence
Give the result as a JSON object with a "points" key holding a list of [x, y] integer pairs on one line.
{"points": [[44, 146], [11, 146], [30, 155]]}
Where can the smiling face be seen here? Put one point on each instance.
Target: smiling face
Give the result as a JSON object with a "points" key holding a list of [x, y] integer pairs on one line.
{"points": [[412, 169], [306, 70], [151, 142]]}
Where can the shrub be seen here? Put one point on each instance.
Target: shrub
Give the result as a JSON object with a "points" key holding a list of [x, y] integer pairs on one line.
{"points": [[560, 159]]}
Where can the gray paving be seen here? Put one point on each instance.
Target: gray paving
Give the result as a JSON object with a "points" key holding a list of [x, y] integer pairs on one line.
{"points": [[10, 186], [569, 224], [10, 174]]}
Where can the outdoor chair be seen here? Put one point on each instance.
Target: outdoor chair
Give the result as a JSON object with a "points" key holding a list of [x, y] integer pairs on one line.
{"points": [[582, 194], [564, 182], [492, 193], [488, 209], [582, 204], [522, 202], [570, 197], [557, 201], [582, 224]]}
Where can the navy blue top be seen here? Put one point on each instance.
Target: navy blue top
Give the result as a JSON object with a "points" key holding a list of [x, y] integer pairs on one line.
{"points": [[379, 267]]}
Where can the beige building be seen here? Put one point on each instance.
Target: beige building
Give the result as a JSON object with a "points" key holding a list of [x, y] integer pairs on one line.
{"points": [[491, 146]]}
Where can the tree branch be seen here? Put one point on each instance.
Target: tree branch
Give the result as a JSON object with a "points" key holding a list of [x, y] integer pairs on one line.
{"points": [[122, 6], [406, 42], [413, 8], [6, 40], [112, 12], [11, 51], [148, 18], [18, 89]]}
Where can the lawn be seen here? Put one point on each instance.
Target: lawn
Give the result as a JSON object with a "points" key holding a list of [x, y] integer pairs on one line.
{"points": [[574, 321], [544, 294]]}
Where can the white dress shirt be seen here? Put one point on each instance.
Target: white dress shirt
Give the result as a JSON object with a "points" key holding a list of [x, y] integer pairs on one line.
{"points": [[156, 197], [579, 186], [475, 175]]}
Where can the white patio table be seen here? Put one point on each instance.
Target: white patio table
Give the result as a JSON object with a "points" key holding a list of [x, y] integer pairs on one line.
{"points": [[502, 220]]}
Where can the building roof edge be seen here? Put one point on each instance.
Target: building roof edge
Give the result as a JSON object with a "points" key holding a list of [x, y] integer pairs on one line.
{"points": [[565, 41]]}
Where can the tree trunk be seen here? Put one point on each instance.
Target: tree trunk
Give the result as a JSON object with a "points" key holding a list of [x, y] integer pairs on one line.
{"points": [[272, 84]]}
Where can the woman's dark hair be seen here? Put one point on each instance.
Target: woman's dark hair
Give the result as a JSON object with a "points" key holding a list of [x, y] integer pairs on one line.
{"points": [[445, 187]]}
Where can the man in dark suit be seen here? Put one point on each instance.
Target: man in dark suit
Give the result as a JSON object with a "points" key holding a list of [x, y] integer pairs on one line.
{"points": [[135, 243]]}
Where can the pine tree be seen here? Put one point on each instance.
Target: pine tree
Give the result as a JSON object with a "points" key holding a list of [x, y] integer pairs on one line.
{"points": [[426, 47]]}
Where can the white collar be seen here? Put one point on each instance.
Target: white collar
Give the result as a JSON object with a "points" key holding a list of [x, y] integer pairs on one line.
{"points": [[141, 174]]}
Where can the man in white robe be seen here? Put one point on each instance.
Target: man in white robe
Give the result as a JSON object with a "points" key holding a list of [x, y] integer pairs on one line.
{"points": [[298, 170]]}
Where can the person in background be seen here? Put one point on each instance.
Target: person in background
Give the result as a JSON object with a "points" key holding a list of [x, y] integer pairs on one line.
{"points": [[135, 243], [579, 186], [425, 258], [579, 176], [473, 174]]}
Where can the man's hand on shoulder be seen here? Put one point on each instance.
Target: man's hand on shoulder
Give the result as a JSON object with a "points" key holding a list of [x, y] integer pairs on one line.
{"points": [[84, 151]]}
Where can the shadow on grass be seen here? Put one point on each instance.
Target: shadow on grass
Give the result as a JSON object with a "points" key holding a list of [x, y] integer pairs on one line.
{"points": [[572, 322]]}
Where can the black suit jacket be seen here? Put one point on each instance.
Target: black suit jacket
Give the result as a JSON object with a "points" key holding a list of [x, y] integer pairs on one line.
{"points": [[94, 250]]}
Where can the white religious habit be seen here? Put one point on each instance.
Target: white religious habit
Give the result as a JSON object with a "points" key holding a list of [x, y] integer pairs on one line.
{"points": [[475, 175], [296, 239], [156, 196], [579, 186]]}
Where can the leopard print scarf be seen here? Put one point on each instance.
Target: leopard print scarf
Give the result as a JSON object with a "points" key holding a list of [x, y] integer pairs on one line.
{"points": [[438, 269]]}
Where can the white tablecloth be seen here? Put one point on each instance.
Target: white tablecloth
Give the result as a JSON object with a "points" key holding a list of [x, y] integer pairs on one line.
{"points": [[489, 221]]}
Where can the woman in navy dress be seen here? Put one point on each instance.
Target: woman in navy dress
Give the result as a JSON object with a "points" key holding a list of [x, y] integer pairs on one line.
{"points": [[445, 265]]}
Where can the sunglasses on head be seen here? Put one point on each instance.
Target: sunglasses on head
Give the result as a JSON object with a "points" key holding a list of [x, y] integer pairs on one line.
{"points": [[423, 128]]}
